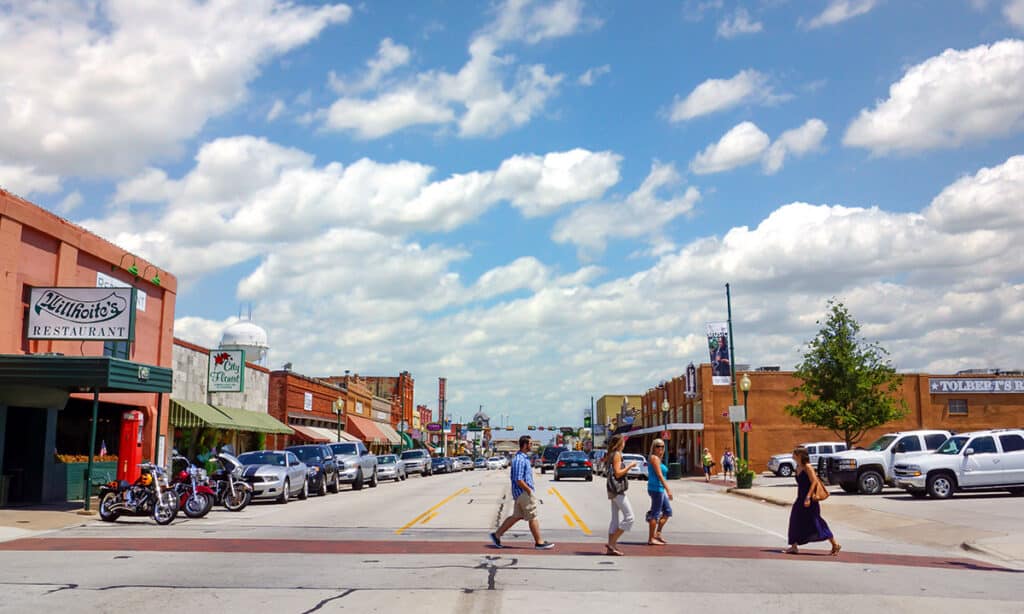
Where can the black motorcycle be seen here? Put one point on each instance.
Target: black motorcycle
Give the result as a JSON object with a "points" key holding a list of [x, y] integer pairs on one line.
{"points": [[150, 495], [231, 490]]}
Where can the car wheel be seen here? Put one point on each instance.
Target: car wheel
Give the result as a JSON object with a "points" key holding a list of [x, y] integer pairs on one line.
{"points": [[850, 487], [870, 483], [1017, 492], [336, 486], [785, 471], [918, 494], [322, 491], [590, 477], [358, 484], [940, 486], [305, 491], [373, 480], [283, 497], [543, 471], [555, 478]]}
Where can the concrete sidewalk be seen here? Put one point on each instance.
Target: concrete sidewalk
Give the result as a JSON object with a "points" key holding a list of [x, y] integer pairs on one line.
{"points": [[1006, 548], [19, 522]]}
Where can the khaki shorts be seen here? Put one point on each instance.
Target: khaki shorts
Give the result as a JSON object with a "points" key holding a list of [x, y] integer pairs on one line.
{"points": [[526, 507]]}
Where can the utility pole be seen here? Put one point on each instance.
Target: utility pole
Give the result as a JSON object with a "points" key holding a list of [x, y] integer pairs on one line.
{"points": [[732, 366]]}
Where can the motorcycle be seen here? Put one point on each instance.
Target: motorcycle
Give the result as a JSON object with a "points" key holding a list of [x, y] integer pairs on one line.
{"points": [[150, 495], [230, 489], [195, 497]]}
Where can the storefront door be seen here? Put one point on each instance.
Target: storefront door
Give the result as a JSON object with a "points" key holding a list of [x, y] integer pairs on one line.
{"points": [[24, 452]]}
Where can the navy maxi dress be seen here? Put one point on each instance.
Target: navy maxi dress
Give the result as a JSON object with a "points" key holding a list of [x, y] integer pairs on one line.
{"points": [[805, 523]]}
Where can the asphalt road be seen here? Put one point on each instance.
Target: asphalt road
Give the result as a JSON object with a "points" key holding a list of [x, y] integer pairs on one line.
{"points": [[421, 546]]}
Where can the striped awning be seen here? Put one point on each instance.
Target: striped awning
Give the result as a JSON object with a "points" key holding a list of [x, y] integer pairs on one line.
{"points": [[311, 433], [364, 428], [254, 421], [191, 414], [391, 434]]}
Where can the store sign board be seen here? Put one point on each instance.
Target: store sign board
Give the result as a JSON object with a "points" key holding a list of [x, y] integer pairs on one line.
{"points": [[82, 314], [434, 427], [227, 370], [976, 385], [737, 413], [106, 281]]}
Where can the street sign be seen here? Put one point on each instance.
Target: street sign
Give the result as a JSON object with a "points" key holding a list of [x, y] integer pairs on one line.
{"points": [[737, 413], [745, 427]]}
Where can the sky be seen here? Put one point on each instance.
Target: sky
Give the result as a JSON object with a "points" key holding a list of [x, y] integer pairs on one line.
{"points": [[541, 201]]}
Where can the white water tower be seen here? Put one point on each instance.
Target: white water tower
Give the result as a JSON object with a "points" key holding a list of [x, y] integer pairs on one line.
{"points": [[245, 335]]}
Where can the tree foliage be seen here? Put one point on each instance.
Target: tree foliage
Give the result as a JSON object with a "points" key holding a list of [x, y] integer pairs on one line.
{"points": [[848, 385]]}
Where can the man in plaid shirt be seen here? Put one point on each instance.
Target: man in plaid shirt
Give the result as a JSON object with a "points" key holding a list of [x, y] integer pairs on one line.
{"points": [[524, 494]]}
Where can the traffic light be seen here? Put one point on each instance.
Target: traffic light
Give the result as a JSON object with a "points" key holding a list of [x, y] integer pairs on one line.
{"points": [[586, 422]]}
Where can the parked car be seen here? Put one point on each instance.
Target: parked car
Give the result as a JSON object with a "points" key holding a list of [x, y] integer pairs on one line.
{"points": [[323, 467], [275, 474], [967, 462], [574, 465], [356, 465], [465, 463], [597, 458], [867, 471], [480, 463], [390, 467], [783, 465], [417, 461], [639, 472], [550, 457], [442, 464], [494, 462]]}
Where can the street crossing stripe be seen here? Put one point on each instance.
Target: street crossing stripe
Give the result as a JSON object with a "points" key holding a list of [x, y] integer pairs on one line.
{"points": [[461, 491], [579, 521]]}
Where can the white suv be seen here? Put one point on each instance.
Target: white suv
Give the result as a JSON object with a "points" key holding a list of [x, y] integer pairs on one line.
{"points": [[983, 460], [782, 465]]}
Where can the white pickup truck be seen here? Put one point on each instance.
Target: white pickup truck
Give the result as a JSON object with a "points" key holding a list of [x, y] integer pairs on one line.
{"points": [[868, 470]]}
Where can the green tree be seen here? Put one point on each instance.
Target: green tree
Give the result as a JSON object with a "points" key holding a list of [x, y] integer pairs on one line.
{"points": [[848, 385]]}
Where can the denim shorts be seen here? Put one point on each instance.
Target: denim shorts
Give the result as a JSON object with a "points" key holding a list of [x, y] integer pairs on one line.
{"points": [[659, 506]]}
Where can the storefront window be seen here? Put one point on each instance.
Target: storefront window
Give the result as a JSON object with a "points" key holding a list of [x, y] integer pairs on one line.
{"points": [[116, 349]]}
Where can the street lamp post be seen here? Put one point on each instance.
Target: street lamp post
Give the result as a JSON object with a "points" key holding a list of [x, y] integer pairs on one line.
{"points": [[745, 387], [338, 406]]}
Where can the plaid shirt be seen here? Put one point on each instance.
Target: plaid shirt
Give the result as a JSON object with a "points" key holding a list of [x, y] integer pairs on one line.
{"points": [[521, 470]]}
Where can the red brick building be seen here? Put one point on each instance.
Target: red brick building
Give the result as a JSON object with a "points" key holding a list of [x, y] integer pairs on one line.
{"points": [[307, 405], [400, 390]]}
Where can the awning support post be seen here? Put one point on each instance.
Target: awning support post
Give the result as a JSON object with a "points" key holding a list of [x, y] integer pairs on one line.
{"points": [[92, 446]]}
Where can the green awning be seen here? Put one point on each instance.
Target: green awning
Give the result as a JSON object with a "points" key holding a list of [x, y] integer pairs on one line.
{"points": [[254, 421], [407, 439], [190, 414]]}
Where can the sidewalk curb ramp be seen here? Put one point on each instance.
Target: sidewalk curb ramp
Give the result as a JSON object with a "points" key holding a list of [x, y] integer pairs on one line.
{"points": [[750, 494], [991, 553]]}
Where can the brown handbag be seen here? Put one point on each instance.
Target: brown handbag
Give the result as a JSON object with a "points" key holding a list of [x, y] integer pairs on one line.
{"points": [[818, 491]]}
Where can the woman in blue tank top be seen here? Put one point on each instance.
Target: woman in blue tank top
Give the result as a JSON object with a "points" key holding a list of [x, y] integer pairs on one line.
{"points": [[660, 494]]}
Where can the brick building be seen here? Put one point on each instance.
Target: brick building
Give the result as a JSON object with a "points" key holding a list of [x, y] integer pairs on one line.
{"points": [[307, 405], [400, 390]]}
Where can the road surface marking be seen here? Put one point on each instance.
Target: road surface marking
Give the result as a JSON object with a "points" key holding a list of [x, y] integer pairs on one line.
{"points": [[579, 521], [727, 517], [432, 516], [569, 521], [433, 509]]}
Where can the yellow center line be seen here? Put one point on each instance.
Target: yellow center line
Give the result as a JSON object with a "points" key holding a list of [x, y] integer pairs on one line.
{"points": [[431, 510], [432, 516], [579, 521], [568, 521]]}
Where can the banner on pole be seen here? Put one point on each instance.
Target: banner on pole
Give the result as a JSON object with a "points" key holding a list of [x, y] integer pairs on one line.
{"points": [[737, 413], [718, 348]]}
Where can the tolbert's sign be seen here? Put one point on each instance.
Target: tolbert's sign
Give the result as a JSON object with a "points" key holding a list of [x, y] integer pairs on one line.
{"points": [[82, 314]]}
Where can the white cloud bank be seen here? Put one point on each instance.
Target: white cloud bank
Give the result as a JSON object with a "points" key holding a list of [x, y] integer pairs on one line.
{"points": [[738, 24], [745, 144], [839, 11], [714, 95]]}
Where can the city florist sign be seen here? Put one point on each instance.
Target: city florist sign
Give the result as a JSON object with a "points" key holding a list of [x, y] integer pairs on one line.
{"points": [[82, 314], [227, 370], [963, 385]]}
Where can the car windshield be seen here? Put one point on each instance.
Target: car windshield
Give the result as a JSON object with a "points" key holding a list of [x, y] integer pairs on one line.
{"points": [[553, 452], [308, 455], [881, 443], [493, 458], [387, 459], [412, 454], [262, 458], [953, 445], [632, 457], [572, 456], [345, 448]]}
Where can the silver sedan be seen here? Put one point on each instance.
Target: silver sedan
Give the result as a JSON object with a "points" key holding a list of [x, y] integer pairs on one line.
{"points": [[390, 467], [275, 474]]}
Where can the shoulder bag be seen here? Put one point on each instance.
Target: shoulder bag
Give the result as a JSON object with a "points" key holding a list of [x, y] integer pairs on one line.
{"points": [[818, 490], [616, 486]]}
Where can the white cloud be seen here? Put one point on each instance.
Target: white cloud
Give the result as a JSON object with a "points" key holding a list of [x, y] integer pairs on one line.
{"points": [[1014, 12], [839, 11], [592, 74], [480, 98], [741, 145], [694, 10], [523, 273], [539, 185], [989, 199], [740, 23], [26, 180], [390, 56], [799, 141], [713, 95], [948, 100], [70, 202], [642, 214], [155, 70], [276, 110]]}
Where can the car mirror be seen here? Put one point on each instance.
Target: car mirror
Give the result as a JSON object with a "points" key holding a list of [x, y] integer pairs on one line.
{"points": [[968, 451]]}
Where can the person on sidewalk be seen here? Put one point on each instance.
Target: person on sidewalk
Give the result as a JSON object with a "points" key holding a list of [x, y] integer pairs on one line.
{"points": [[708, 463], [805, 522], [523, 492], [618, 484], [660, 494], [728, 462]]}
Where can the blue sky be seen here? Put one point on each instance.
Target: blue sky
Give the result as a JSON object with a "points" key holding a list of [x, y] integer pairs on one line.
{"points": [[541, 201]]}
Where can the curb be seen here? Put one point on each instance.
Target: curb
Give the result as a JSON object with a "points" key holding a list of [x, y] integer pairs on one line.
{"points": [[743, 492], [972, 547]]}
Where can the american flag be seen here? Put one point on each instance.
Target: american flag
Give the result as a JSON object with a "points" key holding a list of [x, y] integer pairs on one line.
{"points": [[103, 448]]}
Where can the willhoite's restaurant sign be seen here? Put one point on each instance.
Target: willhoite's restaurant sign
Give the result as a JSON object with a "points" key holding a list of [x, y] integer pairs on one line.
{"points": [[976, 385], [82, 314], [227, 371]]}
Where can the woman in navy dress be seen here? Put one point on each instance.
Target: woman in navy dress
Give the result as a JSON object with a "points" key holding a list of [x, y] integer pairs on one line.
{"points": [[805, 522]]}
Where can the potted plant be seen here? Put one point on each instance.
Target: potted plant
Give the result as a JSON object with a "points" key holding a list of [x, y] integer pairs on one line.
{"points": [[744, 474]]}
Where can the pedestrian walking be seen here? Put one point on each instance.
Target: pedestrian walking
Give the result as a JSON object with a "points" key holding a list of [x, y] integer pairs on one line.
{"points": [[728, 462], [660, 493], [618, 484], [707, 462], [805, 522], [524, 494], [683, 461]]}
